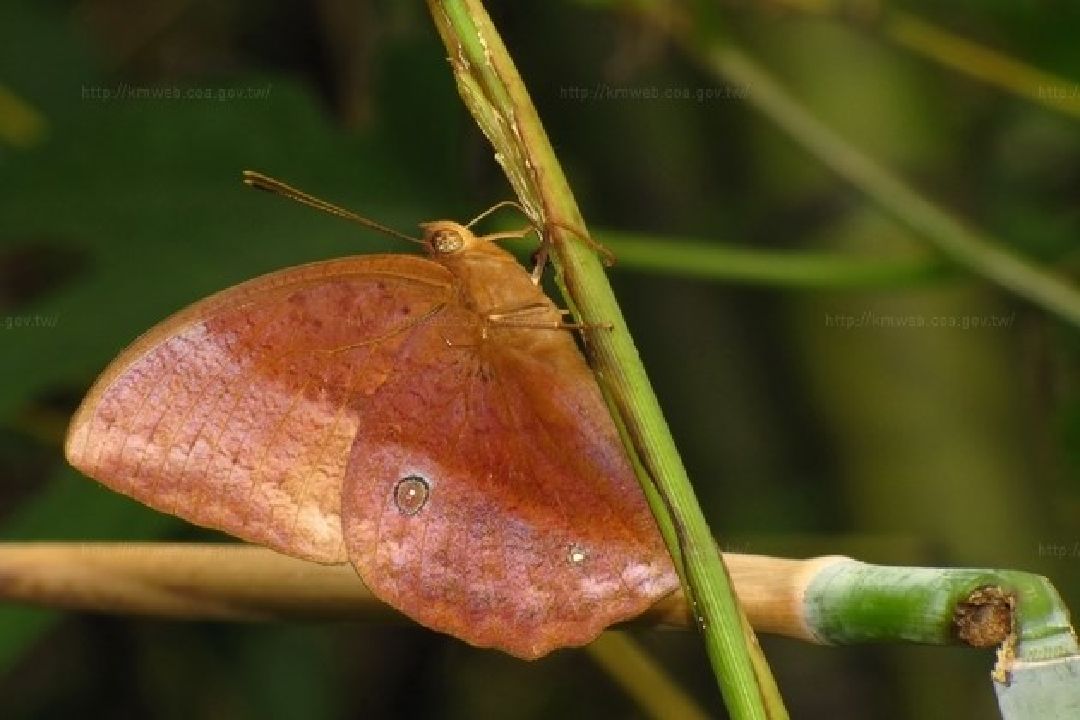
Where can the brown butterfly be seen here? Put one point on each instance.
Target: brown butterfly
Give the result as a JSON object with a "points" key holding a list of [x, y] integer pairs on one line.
{"points": [[429, 420]]}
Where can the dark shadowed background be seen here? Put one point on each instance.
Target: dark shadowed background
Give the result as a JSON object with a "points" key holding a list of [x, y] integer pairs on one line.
{"points": [[813, 421]]}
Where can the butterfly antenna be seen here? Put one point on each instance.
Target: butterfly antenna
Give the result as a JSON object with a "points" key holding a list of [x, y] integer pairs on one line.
{"points": [[269, 184]]}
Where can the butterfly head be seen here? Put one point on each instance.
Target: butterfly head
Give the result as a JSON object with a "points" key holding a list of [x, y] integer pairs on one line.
{"points": [[445, 237]]}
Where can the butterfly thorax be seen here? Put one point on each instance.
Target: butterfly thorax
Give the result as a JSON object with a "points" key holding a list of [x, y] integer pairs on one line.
{"points": [[490, 280]]}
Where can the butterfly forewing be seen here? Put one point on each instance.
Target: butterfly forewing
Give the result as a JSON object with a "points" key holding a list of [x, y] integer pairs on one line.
{"points": [[238, 413]]}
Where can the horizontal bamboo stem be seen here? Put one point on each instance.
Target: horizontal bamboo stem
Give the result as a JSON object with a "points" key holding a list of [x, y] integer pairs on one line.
{"points": [[825, 600], [241, 582]]}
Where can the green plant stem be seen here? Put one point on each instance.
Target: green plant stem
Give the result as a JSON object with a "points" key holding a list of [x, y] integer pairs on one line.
{"points": [[829, 600], [702, 259], [705, 260], [490, 86], [851, 602], [956, 52], [982, 63], [965, 246], [642, 678]]}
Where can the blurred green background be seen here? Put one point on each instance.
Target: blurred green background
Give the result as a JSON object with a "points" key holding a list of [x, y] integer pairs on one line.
{"points": [[123, 130]]}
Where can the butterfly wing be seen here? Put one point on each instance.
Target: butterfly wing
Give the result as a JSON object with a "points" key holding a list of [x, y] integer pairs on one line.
{"points": [[487, 494], [290, 408], [239, 412]]}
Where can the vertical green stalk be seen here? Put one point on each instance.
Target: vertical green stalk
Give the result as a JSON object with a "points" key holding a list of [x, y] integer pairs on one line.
{"points": [[492, 89]]}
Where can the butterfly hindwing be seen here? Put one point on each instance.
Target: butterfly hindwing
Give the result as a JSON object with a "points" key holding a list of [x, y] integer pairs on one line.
{"points": [[533, 533]]}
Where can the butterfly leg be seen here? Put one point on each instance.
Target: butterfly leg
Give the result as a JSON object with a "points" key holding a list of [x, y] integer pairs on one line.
{"points": [[606, 255], [509, 234], [541, 255], [524, 317], [498, 206]]}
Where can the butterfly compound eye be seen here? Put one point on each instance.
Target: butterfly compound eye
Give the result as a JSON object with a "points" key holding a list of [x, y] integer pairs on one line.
{"points": [[446, 241], [411, 494]]}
